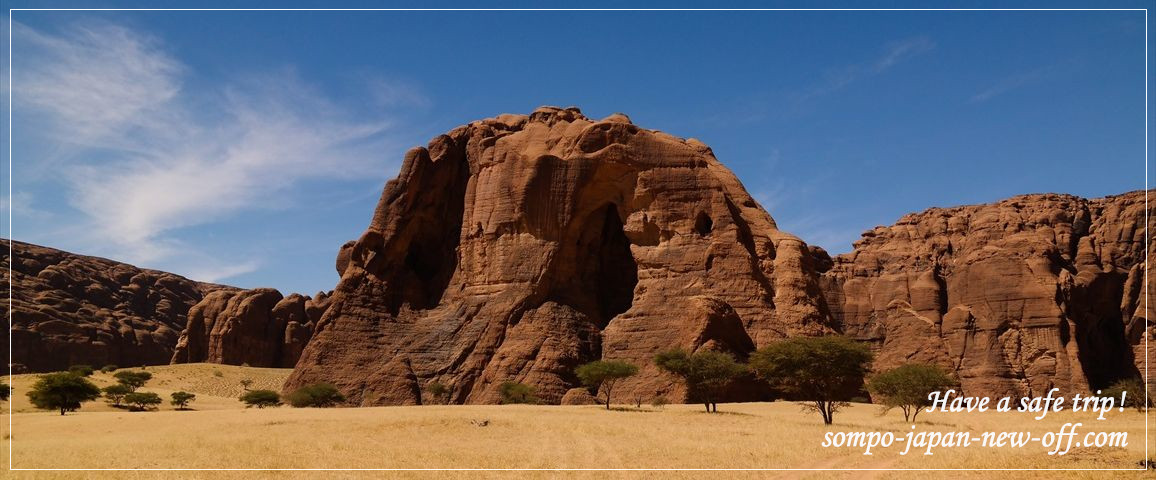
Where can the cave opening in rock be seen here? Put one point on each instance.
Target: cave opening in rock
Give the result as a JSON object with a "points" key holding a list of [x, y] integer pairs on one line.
{"points": [[419, 267], [606, 269], [1104, 352], [433, 266], [703, 224]]}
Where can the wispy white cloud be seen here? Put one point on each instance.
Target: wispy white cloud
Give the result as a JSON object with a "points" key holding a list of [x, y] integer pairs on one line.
{"points": [[21, 204], [391, 92], [805, 208], [1010, 83], [215, 271], [146, 156], [100, 81], [894, 53], [902, 50]]}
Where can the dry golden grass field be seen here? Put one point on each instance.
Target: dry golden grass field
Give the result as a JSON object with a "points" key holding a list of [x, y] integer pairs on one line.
{"points": [[220, 433]]}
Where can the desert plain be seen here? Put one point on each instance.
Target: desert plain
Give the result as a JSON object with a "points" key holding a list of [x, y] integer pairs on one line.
{"points": [[219, 432]]}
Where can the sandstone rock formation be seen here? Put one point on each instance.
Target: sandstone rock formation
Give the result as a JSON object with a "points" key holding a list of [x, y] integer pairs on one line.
{"points": [[1016, 297], [70, 309], [518, 247], [257, 327]]}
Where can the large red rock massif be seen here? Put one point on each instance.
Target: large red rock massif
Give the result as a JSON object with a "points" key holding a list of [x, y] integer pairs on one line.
{"points": [[519, 247], [70, 309], [1016, 297], [516, 248], [257, 327]]}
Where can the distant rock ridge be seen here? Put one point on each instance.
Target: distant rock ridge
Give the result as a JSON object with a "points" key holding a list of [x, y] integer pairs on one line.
{"points": [[1016, 297], [257, 327], [70, 309]]}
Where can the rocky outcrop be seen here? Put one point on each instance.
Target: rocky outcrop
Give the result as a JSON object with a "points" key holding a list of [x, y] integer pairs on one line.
{"points": [[70, 309], [578, 396], [1016, 297], [518, 247], [257, 327]]}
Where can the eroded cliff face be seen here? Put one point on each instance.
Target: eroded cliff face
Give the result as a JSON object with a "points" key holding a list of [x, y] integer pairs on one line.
{"points": [[1016, 297], [70, 309], [257, 327], [519, 247]]}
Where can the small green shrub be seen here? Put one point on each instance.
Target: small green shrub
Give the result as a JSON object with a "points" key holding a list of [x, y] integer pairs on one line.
{"points": [[1135, 397], [108, 368], [319, 395], [261, 398], [438, 392], [5, 391], [81, 370], [659, 402], [514, 392]]}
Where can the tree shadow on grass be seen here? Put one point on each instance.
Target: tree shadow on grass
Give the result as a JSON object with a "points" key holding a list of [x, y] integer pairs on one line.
{"points": [[630, 409], [737, 414]]}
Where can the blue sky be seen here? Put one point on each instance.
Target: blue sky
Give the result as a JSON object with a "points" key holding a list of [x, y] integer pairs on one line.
{"points": [[246, 147]]}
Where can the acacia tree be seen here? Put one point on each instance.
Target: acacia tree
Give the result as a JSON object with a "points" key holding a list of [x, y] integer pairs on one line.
{"points": [[5, 391], [908, 386], [133, 380], [822, 372], [63, 391], [115, 393], [604, 374], [181, 399], [706, 373], [142, 401]]}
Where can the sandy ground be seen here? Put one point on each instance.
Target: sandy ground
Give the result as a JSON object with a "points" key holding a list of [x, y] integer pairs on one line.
{"points": [[220, 433]]}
